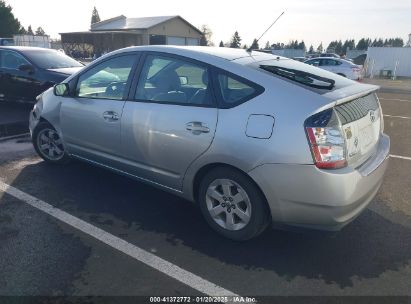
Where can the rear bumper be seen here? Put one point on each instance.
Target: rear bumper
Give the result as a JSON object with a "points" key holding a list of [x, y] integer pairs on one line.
{"points": [[305, 196]]}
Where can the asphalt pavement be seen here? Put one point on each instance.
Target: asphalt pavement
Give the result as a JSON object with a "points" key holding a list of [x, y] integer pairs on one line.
{"points": [[112, 236]]}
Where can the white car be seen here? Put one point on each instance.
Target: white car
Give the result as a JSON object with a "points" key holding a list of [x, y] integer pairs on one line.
{"points": [[338, 66]]}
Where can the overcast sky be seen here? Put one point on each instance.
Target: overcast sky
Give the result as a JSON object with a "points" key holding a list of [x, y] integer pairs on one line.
{"points": [[314, 21]]}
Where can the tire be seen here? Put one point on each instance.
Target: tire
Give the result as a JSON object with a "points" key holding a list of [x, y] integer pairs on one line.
{"points": [[232, 204], [48, 144]]}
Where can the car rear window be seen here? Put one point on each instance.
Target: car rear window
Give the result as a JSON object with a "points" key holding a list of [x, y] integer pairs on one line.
{"points": [[51, 59], [302, 74]]}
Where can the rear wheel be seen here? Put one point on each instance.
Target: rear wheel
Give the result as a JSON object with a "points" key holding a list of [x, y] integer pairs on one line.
{"points": [[232, 204], [49, 145]]}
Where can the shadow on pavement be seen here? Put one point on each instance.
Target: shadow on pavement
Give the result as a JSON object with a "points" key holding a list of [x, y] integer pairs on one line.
{"points": [[365, 249]]}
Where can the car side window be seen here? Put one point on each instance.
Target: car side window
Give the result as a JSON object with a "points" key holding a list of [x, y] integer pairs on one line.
{"points": [[328, 62], [106, 80], [173, 80], [314, 62], [234, 91], [11, 60]]}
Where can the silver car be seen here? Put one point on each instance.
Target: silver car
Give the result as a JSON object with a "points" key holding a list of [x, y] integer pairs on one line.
{"points": [[253, 139]]}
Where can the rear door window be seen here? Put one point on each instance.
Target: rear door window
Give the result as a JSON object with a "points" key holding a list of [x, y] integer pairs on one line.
{"points": [[174, 80]]}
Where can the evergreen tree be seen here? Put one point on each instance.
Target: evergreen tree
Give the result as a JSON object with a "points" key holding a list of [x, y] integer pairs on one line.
{"points": [[205, 39], [95, 17], [320, 48], [30, 31], [311, 50], [363, 44], [235, 41], [221, 43], [23, 31], [255, 45], [40, 31], [301, 45], [398, 42], [267, 45], [9, 25]]}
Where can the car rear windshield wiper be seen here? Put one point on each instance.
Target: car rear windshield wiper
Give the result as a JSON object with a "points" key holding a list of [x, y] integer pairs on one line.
{"points": [[301, 77]]}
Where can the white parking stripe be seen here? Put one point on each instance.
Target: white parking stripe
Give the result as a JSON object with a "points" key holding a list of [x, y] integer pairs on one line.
{"points": [[394, 99], [394, 116], [133, 251], [400, 157]]}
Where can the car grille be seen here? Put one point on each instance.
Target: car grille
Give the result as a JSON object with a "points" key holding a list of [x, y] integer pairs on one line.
{"points": [[357, 109]]}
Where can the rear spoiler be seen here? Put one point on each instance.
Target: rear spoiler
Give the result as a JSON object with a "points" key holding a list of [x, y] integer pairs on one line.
{"points": [[351, 92]]}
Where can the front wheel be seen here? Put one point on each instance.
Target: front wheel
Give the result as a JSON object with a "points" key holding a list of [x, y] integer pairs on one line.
{"points": [[232, 204], [49, 145]]}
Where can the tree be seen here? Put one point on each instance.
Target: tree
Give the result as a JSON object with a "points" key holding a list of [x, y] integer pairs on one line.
{"points": [[9, 25], [320, 48], [255, 45], [363, 44], [311, 50], [398, 42], [30, 30], [267, 46], [95, 17], [221, 43], [205, 39], [40, 31], [235, 41], [301, 45]]}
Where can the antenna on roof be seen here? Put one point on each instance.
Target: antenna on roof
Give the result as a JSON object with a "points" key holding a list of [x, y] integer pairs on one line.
{"points": [[249, 50]]}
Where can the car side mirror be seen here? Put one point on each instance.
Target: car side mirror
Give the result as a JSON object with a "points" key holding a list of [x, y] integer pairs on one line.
{"points": [[61, 89], [183, 80], [26, 68]]}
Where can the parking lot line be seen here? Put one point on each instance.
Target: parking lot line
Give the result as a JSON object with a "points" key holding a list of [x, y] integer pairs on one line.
{"points": [[394, 116], [394, 99], [400, 157], [121, 245]]}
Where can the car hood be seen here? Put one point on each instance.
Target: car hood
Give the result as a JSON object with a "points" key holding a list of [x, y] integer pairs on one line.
{"points": [[66, 71]]}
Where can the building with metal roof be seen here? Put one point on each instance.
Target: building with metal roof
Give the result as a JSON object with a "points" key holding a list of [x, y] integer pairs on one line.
{"points": [[119, 32]]}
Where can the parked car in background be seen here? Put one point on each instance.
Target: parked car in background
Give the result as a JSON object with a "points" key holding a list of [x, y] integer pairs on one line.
{"points": [[26, 72], [333, 55], [253, 138], [301, 59], [338, 66], [6, 41]]}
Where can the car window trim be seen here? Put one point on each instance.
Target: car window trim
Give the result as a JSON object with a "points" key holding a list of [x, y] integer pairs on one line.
{"points": [[137, 57], [221, 104], [138, 75]]}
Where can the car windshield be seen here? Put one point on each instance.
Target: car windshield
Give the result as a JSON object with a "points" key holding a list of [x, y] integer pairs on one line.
{"points": [[51, 59], [306, 78]]}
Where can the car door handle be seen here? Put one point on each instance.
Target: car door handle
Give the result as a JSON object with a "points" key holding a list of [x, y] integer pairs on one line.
{"points": [[110, 116], [197, 127]]}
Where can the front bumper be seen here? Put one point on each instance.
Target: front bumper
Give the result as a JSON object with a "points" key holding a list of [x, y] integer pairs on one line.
{"points": [[305, 196]]}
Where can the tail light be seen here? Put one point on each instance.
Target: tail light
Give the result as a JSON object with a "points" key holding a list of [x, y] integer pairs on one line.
{"points": [[326, 140]]}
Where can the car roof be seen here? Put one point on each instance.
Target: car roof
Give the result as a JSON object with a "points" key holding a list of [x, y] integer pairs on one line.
{"points": [[334, 58], [24, 48], [221, 52]]}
